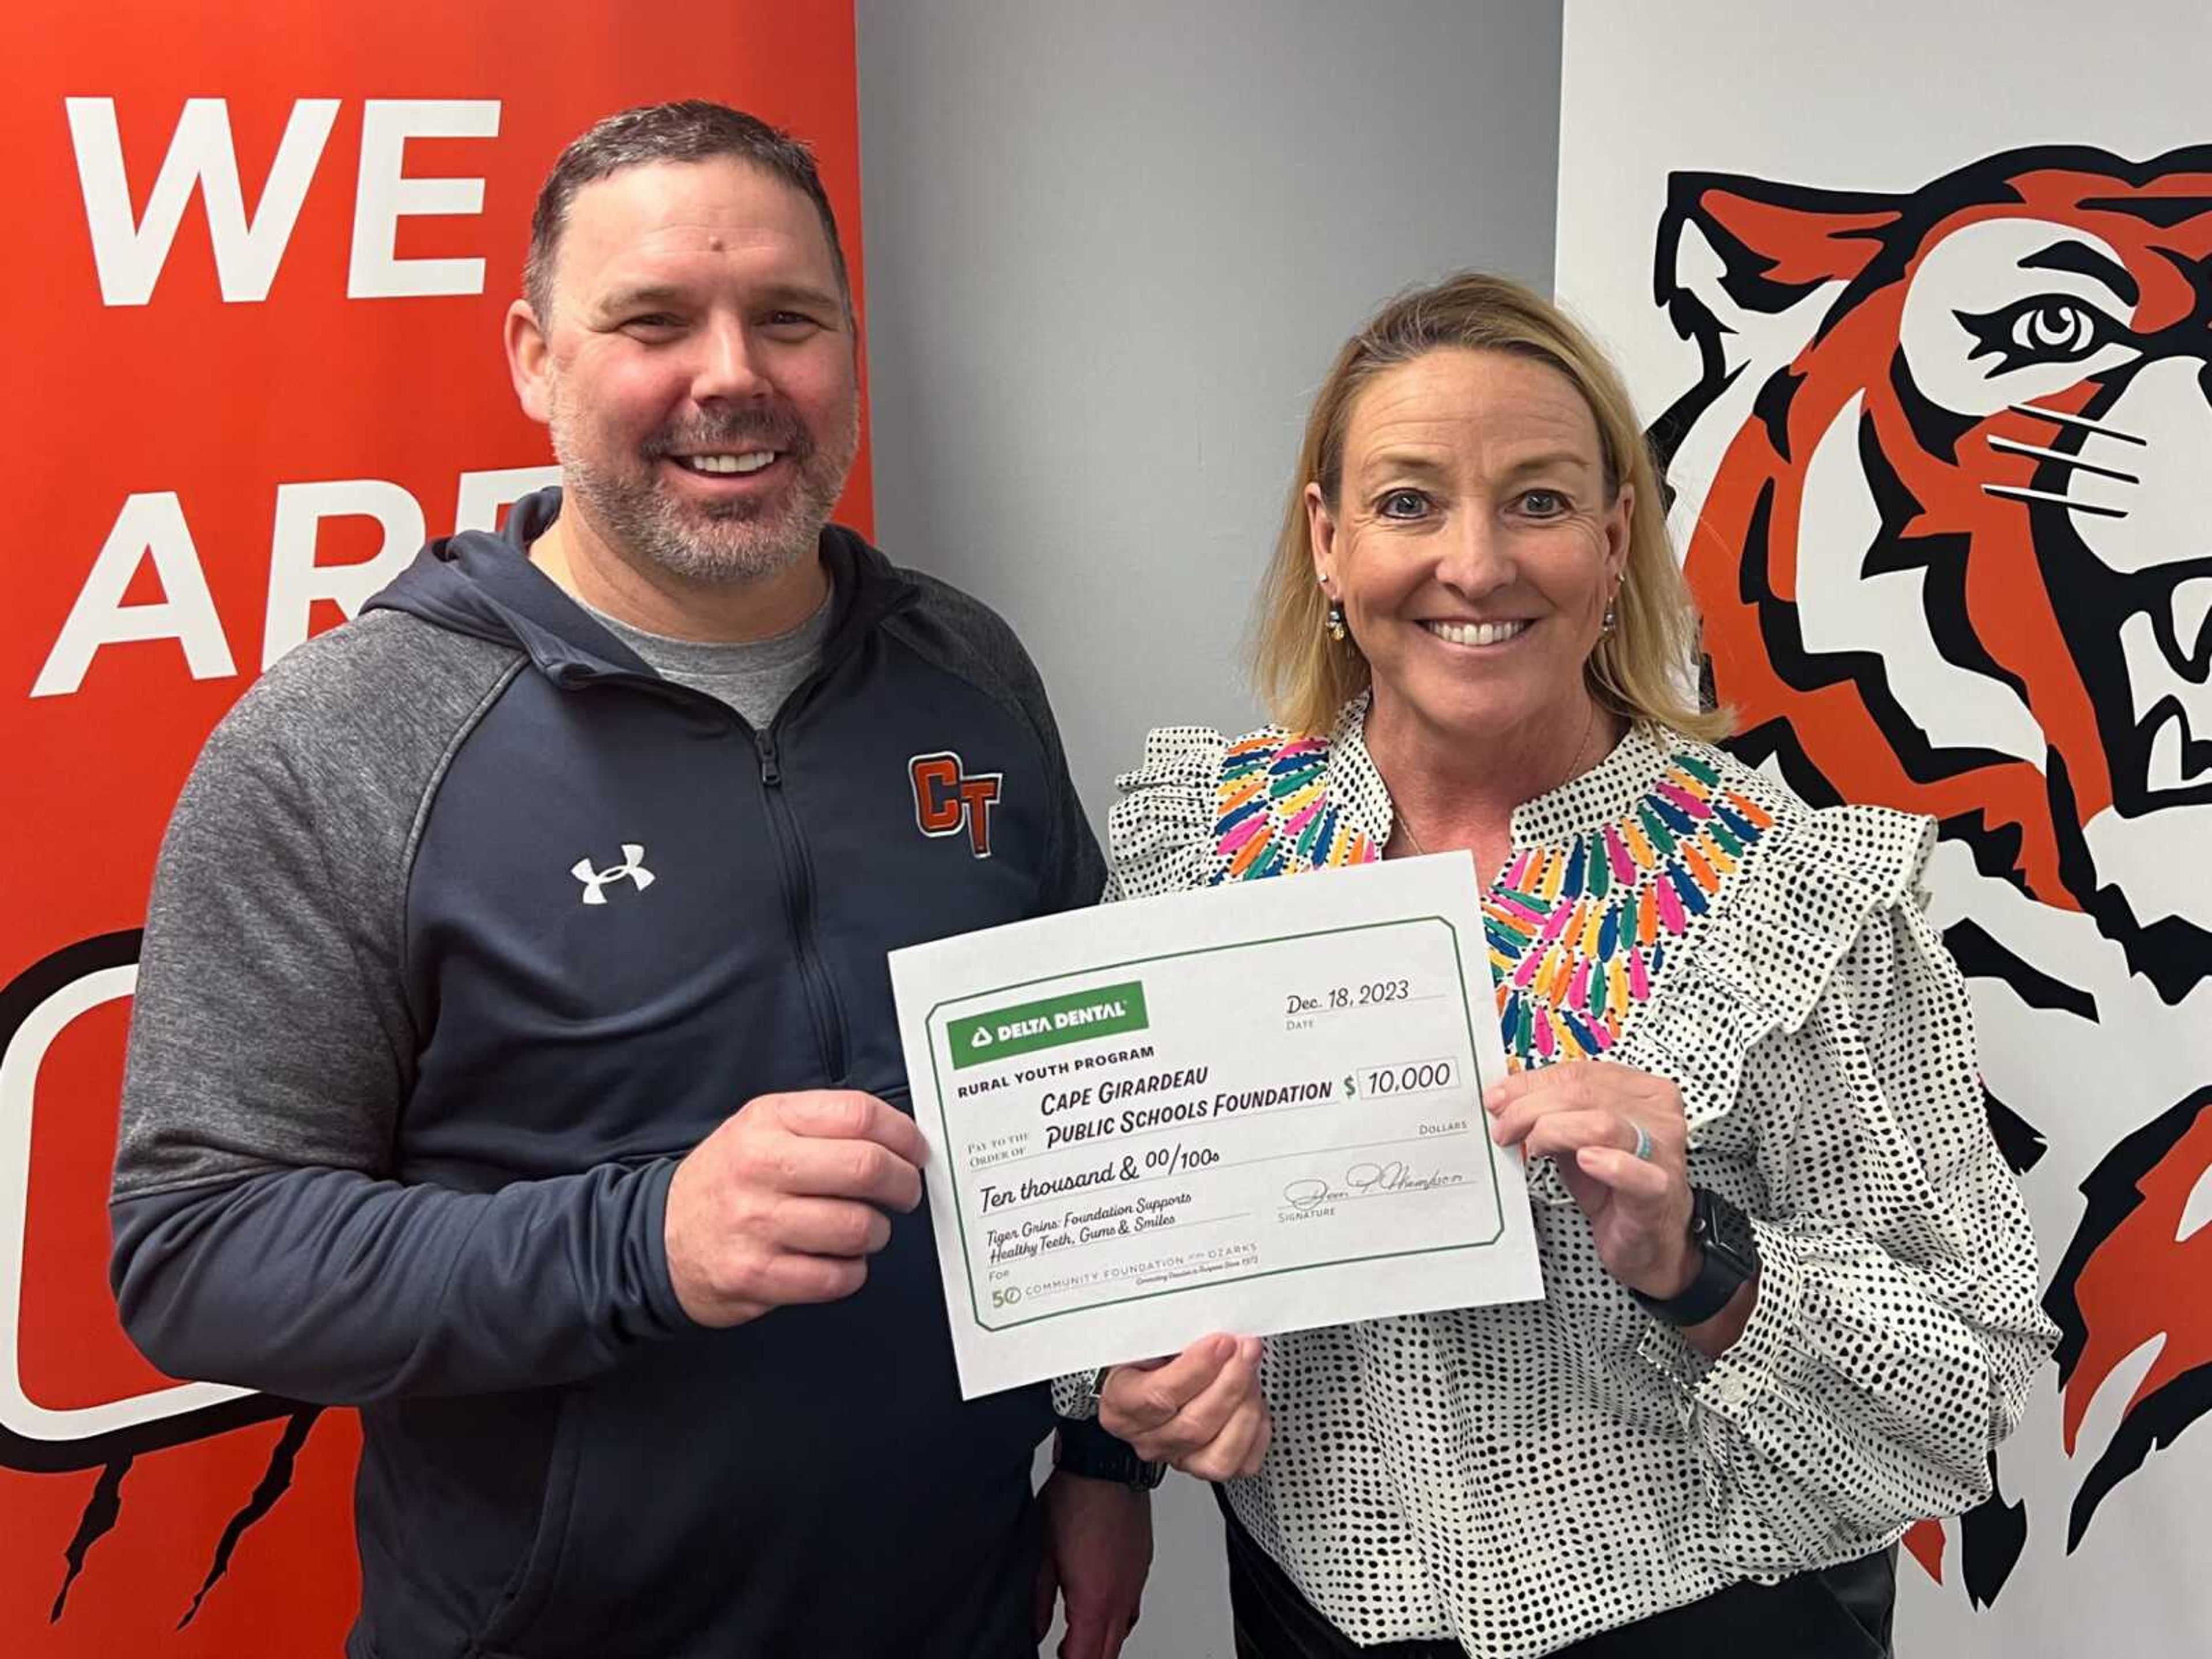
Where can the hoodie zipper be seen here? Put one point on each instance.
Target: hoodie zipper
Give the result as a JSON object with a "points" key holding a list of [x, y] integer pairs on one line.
{"points": [[794, 867], [797, 884]]}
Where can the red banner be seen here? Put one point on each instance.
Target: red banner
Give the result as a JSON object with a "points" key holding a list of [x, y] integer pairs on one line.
{"points": [[260, 267]]}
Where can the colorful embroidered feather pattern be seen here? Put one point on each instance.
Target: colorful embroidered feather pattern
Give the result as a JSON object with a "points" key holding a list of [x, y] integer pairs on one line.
{"points": [[1578, 933], [1275, 812]]}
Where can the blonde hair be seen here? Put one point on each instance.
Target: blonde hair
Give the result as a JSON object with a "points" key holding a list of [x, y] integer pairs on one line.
{"points": [[1635, 668]]}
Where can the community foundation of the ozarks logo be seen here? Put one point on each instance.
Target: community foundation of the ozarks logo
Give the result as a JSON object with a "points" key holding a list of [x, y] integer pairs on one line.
{"points": [[1941, 489], [76, 1401]]}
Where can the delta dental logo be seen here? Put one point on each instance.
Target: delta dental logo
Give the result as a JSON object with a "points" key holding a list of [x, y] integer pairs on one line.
{"points": [[1109, 1011]]}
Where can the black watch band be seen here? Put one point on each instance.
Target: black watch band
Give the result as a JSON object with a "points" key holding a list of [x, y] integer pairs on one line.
{"points": [[1729, 1258], [1083, 1447]]}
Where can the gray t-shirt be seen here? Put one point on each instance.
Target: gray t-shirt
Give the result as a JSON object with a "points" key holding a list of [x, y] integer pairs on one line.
{"points": [[752, 676]]}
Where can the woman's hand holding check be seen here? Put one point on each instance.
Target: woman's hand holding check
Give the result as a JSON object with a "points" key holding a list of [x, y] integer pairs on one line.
{"points": [[1621, 1142]]}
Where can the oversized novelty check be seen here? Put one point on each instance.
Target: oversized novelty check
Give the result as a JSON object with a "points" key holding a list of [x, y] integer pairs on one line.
{"points": [[1253, 1109]]}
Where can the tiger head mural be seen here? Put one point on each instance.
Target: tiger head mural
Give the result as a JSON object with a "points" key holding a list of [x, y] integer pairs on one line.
{"points": [[1986, 404], [1943, 488]]}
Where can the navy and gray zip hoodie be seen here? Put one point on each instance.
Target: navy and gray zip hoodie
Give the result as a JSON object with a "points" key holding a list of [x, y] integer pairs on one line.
{"points": [[402, 1105]]}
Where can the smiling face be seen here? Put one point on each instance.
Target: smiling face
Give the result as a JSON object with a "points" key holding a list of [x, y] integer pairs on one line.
{"points": [[698, 370], [1473, 543]]}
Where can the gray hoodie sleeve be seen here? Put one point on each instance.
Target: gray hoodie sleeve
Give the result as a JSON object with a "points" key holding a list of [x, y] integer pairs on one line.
{"points": [[259, 1238]]}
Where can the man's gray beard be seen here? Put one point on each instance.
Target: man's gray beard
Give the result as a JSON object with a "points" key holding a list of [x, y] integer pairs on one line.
{"points": [[735, 542]]}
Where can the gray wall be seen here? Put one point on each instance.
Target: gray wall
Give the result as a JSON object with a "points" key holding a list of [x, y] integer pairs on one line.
{"points": [[1111, 250]]}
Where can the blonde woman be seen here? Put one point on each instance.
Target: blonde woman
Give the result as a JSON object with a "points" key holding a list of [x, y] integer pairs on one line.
{"points": [[1790, 1287]]}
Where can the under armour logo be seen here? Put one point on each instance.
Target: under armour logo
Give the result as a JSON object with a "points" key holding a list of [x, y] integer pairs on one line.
{"points": [[947, 800], [631, 869]]}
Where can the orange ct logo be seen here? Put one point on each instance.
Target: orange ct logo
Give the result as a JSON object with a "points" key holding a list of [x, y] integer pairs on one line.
{"points": [[946, 799]]}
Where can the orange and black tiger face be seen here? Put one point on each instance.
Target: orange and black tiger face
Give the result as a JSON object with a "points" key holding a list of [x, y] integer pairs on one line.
{"points": [[1945, 493]]}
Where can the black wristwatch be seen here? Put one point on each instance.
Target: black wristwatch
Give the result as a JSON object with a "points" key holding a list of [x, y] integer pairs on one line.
{"points": [[1731, 1257], [1083, 1447]]}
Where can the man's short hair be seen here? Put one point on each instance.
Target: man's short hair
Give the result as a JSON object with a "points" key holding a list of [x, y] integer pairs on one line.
{"points": [[690, 130]]}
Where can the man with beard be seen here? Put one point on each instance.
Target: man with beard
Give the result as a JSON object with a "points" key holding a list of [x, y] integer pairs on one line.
{"points": [[513, 1054]]}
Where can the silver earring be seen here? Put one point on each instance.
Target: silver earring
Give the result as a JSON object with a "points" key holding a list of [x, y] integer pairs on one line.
{"points": [[1334, 624], [1611, 620]]}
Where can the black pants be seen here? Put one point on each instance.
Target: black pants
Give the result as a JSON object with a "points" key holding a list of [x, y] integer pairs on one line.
{"points": [[1841, 1612]]}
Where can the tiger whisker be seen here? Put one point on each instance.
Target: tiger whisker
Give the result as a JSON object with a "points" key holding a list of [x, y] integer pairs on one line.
{"points": [[2066, 501], [2065, 460], [2064, 419]]}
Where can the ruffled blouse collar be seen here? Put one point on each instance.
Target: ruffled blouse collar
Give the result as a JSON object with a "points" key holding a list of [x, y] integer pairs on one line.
{"points": [[1607, 793]]}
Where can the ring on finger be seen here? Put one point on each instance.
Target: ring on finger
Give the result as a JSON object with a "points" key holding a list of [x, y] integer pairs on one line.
{"points": [[1643, 1142]]}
